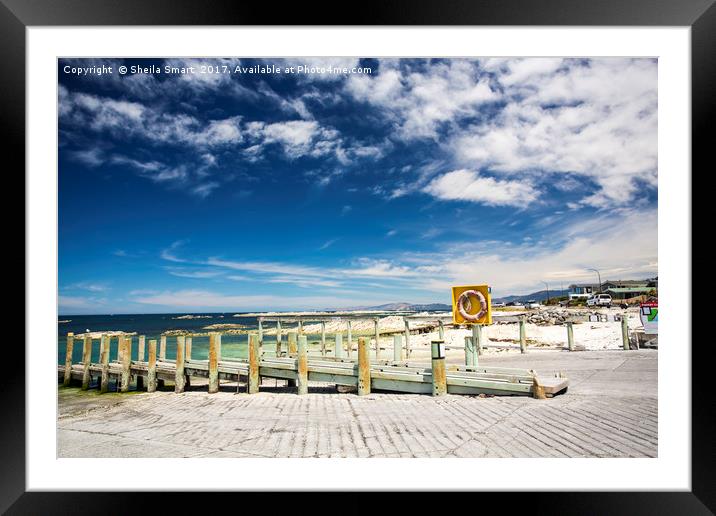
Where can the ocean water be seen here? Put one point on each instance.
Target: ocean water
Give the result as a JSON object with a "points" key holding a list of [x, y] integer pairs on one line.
{"points": [[153, 325]]}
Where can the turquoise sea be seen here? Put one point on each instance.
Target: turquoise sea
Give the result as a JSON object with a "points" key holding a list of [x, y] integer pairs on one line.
{"points": [[153, 325]]}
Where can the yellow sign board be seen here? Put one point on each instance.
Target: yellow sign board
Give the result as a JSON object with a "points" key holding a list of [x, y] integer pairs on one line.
{"points": [[471, 305]]}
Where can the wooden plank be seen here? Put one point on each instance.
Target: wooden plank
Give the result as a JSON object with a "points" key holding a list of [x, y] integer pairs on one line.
{"points": [[69, 348], [338, 379], [152, 366], [179, 371], [86, 361], [253, 380], [398, 386], [302, 365], [214, 343], [363, 367]]}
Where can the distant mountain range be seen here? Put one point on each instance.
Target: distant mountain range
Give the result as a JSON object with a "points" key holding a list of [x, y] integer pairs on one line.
{"points": [[405, 307], [441, 307], [539, 296]]}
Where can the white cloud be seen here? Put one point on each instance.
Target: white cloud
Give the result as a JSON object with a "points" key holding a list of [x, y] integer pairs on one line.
{"points": [[88, 286], [197, 300], [327, 244], [66, 303], [420, 101], [195, 274], [204, 190], [597, 120], [466, 185], [169, 253], [90, 157]]}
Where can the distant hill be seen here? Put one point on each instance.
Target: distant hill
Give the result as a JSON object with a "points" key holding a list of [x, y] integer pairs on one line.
{"points": [[407, 307], [441, 307], [539, 296]]}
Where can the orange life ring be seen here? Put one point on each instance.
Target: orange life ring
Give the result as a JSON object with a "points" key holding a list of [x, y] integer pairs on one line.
{"points": [[464, 305]]}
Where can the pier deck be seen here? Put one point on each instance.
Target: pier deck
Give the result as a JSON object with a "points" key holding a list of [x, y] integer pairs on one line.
{"points": [[610, 410]]}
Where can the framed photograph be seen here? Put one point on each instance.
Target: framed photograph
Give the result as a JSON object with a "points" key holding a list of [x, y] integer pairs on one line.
{"points": [[409, 253]]}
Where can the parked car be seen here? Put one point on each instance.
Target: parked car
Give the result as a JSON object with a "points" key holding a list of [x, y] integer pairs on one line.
{"points": [[532, 303], [498, 305], [600, 300], [515, 304]]}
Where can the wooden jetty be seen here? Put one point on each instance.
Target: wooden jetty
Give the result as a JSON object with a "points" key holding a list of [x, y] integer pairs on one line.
{"points": [[297, 367]]}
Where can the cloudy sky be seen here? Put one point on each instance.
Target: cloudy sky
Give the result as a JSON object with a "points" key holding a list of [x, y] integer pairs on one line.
{"points": [[238, 191]]}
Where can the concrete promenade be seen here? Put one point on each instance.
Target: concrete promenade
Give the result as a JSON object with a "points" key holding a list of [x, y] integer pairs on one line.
{"points": [[610, 410]]}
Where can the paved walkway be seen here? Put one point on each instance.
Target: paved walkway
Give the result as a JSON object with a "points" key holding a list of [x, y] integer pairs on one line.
{"points": [[610, 410]]}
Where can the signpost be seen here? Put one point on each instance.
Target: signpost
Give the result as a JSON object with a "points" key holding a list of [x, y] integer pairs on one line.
{"points": [[649, 315]]}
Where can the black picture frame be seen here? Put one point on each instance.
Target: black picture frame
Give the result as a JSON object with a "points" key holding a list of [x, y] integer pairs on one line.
{"points": [[17, 15]]}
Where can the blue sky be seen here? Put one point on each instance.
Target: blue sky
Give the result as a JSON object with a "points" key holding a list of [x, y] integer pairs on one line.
{"points": [[250, 189]]}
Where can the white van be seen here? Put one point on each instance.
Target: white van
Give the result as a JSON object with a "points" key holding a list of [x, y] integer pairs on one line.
{"points": [[600, 300]]}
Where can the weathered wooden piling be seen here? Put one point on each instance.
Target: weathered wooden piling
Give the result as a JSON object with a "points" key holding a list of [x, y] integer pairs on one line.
{"points": [[397, 348], [469, 351], [292, 348], [278, 338], [104, 345], [86, 361], [570, 335], [350, 338], [437, 352], [214, 344], [363, 367], [163, 347], [261, 329], [179, 371], [323, 338], [441, 330], [141, 342], [69, 348], [152, 366], [625, 332], [187, 347], [140, 358], [377, 339], [339, 345], [292, 352], [523, 337], [477, 339], [253, 379], [126, 344], [302, 364], [300, 326], [407, 338]]}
